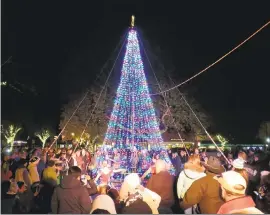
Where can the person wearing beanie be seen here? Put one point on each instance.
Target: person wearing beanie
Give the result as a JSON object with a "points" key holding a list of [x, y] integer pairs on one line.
{"points": [[103, 202], [238, 163], [132, 191], [238, 166]]}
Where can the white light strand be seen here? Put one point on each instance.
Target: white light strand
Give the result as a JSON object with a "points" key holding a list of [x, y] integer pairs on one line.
{"points": [[164, 98], [212, 140], [106, 82], [217, 61]]}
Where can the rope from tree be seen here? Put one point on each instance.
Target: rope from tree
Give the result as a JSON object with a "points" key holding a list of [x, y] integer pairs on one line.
{"points": [[212, 140], [74, 112], [7, 61], [217, 61], [164, 98], [85, 95], [106, 82]]}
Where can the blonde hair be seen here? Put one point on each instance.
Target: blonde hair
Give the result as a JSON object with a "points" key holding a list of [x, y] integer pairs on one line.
{"points": [[242, 155], [194, 163], [102, 190], [160, 166], [195, 159]]}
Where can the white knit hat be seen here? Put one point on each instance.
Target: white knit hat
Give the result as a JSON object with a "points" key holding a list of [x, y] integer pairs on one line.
{"points": [[238, 163], [103, 202], [133, 180]]}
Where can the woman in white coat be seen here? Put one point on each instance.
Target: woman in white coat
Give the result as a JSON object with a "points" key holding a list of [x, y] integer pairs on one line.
{"points": [[193, 170]]}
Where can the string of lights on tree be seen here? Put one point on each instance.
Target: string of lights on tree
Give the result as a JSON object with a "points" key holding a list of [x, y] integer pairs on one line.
{"points": [[133, 124]]}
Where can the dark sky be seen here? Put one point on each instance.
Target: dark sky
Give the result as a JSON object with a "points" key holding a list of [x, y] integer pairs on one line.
{"points": [[58, 47]]}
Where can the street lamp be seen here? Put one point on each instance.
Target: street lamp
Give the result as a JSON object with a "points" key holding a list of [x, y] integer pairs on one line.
{"points": [[72, 134], [268, 139]]}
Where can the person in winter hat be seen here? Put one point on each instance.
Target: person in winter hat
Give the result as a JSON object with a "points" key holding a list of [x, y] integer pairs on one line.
{"points": [[205, 192], [233, 187], [193, 170], [132, 191], [103, 202], [238, 166]]}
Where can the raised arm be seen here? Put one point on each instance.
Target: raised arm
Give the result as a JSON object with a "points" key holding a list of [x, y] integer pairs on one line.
{"points": [[146, 173]]}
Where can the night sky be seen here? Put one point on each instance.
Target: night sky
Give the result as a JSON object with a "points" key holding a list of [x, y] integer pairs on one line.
{"points": [[58, 47]]}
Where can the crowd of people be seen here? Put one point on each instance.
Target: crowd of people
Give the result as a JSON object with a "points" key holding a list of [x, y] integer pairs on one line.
{"points": [[62, 181]]}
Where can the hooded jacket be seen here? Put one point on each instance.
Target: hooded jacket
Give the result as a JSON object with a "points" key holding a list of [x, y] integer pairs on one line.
{"points": [[70, 197], [185, 179]]}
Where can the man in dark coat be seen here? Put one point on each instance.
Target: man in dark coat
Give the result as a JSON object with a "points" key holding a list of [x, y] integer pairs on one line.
{"points": [[71, 196]]}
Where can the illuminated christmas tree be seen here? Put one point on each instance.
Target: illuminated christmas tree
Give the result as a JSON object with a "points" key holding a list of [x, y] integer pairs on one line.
{"points": [[133, 125], [133, 118]]}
